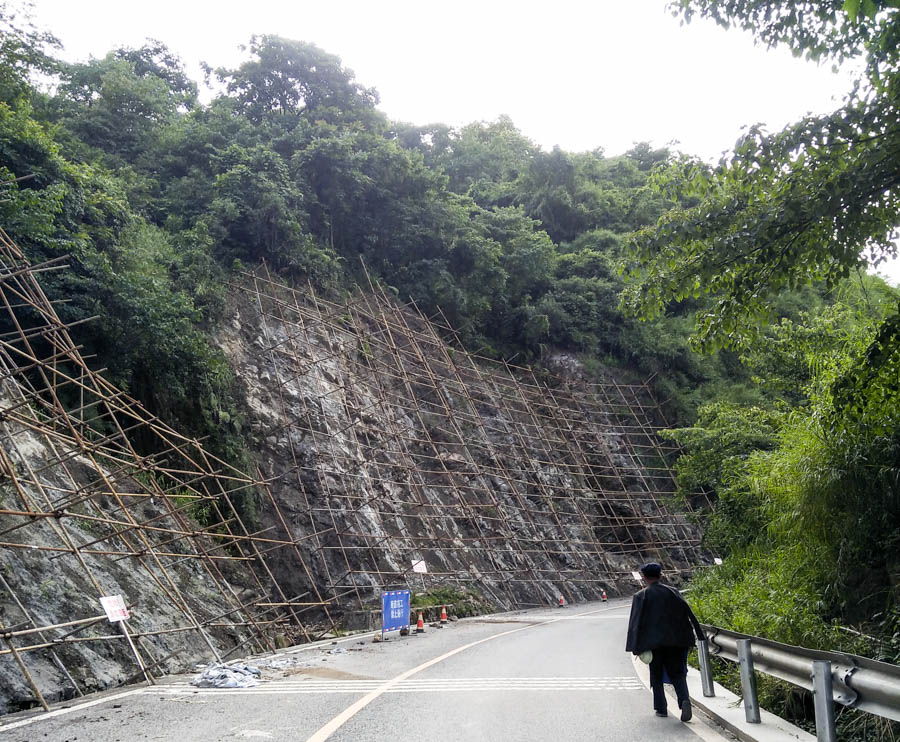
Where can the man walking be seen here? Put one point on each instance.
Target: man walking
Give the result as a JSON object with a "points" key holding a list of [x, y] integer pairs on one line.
{"points": [[662, 622]]}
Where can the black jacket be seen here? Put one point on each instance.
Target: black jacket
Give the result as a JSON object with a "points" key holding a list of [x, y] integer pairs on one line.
{"points": [[660, 617]]}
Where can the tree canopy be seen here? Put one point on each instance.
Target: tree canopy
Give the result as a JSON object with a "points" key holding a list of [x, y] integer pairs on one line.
{"points": [[158, 200], [805, 204]]}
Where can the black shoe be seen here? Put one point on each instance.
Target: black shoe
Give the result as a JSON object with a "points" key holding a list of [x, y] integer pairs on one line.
{"points": [[686, 712], [662, 713]]}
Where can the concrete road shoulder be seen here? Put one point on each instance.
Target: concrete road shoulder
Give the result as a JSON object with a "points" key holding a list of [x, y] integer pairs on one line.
{"points": [[727, 709]]}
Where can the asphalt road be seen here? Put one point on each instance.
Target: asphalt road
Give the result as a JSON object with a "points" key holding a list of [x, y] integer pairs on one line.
{"points": [[540, 675]]}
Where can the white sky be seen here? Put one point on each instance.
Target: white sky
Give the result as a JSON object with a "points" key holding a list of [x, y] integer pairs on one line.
{"points": [[580, 74]]}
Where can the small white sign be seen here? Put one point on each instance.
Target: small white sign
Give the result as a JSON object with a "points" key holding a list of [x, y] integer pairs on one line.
{"points": [[418, 565], [114, 607], [717, 560], [637, 576]]}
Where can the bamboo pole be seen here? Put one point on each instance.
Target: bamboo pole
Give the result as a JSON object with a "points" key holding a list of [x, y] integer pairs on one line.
{"points": [[24, 669]]}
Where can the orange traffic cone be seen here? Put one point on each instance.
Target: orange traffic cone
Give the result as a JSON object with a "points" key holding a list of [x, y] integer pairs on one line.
{"points": [[603, 595], [562, 602], [420, 625], [443, 614]]}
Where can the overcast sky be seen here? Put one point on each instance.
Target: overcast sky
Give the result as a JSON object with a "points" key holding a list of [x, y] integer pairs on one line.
{"points": [[581, 75]]}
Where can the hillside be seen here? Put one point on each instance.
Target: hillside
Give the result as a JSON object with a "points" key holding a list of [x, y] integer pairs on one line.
{"points": [[376, 444], [333, 344]]}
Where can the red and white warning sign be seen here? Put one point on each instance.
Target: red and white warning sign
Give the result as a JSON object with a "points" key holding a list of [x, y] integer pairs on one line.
{"points": [[114, 607], [418, 565]]}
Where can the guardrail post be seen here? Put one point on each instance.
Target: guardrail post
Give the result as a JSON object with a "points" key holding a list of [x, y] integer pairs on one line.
{"points": [[824, 701], [706, 677], [748, 682]]}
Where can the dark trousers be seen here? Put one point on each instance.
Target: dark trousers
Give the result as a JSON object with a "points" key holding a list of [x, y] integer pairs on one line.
{"points": [[672, 660]]}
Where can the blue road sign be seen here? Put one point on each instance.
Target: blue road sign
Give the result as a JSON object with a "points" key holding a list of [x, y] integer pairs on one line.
{"points": [[394, 610]]}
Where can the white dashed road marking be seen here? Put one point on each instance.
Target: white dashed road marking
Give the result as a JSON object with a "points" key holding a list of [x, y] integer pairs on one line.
{"points": [[348, 713], [430, 685]]}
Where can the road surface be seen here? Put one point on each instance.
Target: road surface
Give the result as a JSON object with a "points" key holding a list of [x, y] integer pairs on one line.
{"points": [[551, 674]]}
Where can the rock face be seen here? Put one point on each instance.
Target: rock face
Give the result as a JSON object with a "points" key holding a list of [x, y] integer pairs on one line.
{"points": [[84, 515], [379, 444], [384, 445], [49, 583]]}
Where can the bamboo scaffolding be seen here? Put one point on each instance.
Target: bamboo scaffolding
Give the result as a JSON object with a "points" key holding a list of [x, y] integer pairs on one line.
{"points": [[47, 492], [409, 448], [387, 476], [492, 451], [429, 441], [291, 348]]}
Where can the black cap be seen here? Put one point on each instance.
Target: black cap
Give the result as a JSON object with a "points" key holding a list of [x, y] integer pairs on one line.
{"points": [[651, 569]]}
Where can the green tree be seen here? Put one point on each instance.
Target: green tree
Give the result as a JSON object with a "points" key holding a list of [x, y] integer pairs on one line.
{"points": [[801, 205], [484, 160], [155, 59], [24, 50], [288, 78], [118, 105], [259, 209], [717, 460]]}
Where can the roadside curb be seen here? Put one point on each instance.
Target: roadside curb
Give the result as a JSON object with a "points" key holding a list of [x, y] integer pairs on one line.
{"points": [[727, 710]]}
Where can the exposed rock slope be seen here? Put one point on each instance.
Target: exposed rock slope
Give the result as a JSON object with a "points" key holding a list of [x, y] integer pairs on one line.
{"points": [[378, 445], [387, 446]]}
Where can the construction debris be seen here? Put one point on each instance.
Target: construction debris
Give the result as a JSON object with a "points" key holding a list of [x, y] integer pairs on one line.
{"points": [[227, 676]]}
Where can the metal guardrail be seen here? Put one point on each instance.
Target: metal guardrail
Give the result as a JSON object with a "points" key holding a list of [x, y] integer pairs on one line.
{"points": [[833, 677]]}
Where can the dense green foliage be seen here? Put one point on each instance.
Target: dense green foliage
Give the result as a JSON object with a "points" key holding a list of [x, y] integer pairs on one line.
{"points": [[157, 200], [154, 197], [807, 478]]}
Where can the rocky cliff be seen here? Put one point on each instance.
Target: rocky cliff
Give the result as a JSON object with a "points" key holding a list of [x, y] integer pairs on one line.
{"points": [[387, 445], [379, 443]]}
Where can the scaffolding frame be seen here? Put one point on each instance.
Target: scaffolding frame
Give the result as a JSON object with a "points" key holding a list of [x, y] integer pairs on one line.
{"points": [[457, 461], [385, 444], [73, 487]]}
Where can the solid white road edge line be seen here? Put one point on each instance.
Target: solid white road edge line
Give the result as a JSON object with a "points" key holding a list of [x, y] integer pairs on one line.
{"points": [[703, 730], [69, 710], [342, 718]]}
